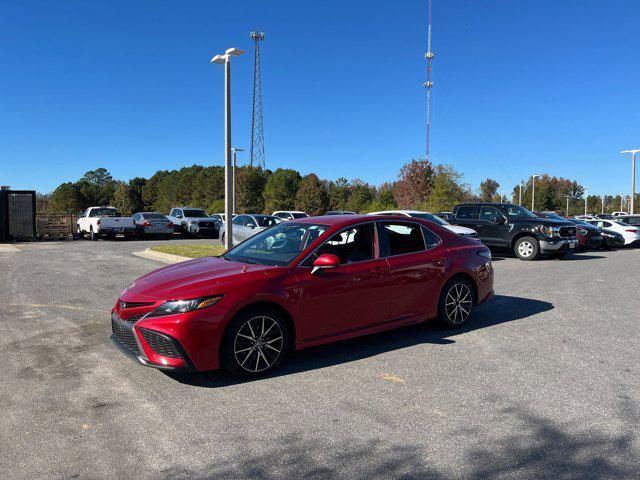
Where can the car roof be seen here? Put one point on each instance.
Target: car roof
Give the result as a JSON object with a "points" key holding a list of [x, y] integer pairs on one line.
{"points": [[289, 211], [401, 212], [332, 220], [494, 204]]}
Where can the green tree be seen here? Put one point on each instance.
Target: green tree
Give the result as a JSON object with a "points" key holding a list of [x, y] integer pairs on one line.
{"points": [[250, 185], [66, 198], [488, 189], [448, 189], [413, 184], [281, 189], [339, 192], [136, 186], [122, 199], [312, 196], [97, 187], [360, 197]]}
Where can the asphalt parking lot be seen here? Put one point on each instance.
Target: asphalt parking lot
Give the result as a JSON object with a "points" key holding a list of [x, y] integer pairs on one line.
{"points": [[543, 383]]}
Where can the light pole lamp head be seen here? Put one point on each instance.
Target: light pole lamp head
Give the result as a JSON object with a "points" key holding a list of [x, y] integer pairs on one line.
{"points": [[236, 52], [236, 149], [219, 59]]}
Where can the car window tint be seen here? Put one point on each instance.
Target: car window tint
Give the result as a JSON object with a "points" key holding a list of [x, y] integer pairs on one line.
{"points": [[490, 214], [431, 239], [266, 221], [467, 212], [240, 220], [352, 245], [401, 238]]}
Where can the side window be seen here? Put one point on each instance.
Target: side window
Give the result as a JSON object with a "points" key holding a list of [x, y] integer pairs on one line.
{"points": [[249, 221], [351, 246], [239, 220], [401, 238], [605, 224], [430, 239], [280, 215], [136, 216], [490, 214], [467, 212]]}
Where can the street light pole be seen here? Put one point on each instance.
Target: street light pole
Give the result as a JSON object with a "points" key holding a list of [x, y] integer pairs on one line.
{"points": [[633, 177], [567, 197], [234, 150], [228, 180], [602, 204], [586, 196], [520, 195], [533, 191]]}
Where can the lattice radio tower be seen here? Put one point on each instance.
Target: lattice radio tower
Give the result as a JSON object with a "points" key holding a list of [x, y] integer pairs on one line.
{"points": [[257, 131], [429, 84]]}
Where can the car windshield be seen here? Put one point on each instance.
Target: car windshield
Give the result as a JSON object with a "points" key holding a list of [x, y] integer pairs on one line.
{"points": [[267, 220], [581, 223], [299, 215], [555, 216], [431, 217], [153, 216], [194, 213], [516, 211], [277, 246], [104, 212]]}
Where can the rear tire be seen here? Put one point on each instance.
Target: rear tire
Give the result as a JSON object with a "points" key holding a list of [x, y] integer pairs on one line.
{"points": [[526, 248], [254, 343], [456, 302], [79, 232]]}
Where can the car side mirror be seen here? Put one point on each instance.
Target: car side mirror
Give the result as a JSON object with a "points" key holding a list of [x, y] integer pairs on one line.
{"points": [[178, 216], [325, 261], [251, 225]]}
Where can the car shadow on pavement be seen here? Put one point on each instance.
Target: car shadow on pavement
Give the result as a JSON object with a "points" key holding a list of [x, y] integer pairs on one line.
{"points": [[500, 309], [529, 446]]}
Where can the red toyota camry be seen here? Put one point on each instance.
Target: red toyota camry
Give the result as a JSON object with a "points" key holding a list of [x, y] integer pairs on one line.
{"points": [[300, 283]]}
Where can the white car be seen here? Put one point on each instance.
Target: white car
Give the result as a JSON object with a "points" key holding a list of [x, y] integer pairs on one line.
{"points": [[464, 231], [630, 233], [619, 214], [287, 215], [247, 225], [98, 221], [193, 221], [586, 217]]}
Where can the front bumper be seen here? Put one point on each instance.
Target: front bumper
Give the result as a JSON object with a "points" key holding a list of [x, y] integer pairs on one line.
{"points": [[551, 245], [131, 342]]}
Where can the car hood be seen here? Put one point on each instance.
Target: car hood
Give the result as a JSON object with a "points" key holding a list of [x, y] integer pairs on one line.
{"points": [[192, 279], [545, 221], [459, 230]]}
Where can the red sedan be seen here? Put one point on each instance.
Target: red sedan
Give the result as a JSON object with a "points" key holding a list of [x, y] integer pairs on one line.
{"points": [[301, 283]]}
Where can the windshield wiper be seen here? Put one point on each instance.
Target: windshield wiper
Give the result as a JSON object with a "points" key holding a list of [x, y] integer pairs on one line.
{"points": [[247, 260]]}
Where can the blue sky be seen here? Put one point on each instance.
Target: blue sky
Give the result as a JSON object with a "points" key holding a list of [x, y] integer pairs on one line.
{"points": [[520, 87]]}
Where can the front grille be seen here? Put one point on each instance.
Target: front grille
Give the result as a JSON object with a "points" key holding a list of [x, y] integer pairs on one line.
{"points": [[133, 318], [206, 224], [125, 336], [124, 304], [161, 344], [567, 231]]}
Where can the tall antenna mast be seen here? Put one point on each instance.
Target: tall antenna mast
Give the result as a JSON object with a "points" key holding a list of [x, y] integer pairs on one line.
{"points": [[257, 133], [429, 84]]}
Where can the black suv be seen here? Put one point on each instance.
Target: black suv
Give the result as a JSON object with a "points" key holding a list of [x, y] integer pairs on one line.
{"points": [[504, 225]]}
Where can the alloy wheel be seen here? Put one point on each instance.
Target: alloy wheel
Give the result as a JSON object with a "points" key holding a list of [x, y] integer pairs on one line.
{"points": [[458, 303], [525, 249], [258, 344]]}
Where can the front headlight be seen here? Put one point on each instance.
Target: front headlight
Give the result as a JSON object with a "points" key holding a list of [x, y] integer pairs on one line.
{"points": [[485, 253], [172, 307], [193, 222], [582, 231], [546, 231]]}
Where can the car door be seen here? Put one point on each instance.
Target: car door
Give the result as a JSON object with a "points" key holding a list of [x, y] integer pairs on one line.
{"points": [[350, 297], [492, 226], [239, 228], [417, 263]]}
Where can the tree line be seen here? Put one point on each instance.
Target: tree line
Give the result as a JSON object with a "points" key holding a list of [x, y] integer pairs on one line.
{"points": [[419, 185]]}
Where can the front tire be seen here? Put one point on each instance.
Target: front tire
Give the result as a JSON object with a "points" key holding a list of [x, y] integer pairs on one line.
{"points": [[254, 343], [93, 235], [79, 232], [456, 302], [527, 248]]}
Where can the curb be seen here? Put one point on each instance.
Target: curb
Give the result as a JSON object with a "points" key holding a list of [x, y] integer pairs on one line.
{"points": [[5, 248], [160, 257]]}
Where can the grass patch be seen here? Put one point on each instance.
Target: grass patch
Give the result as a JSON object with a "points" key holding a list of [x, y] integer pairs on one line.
{"points": [[192, 250]]}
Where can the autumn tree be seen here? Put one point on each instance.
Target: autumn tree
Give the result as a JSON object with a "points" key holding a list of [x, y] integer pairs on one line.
{"points": [[488, 189], [413, 184], [448, 189]]}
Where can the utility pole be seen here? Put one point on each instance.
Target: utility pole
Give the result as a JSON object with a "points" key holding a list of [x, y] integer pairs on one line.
{"points": [[533, 192], [633, 177], [429, 84], [228, 179], [567, 197], [621, 202], [586, 197], [602, 204]]}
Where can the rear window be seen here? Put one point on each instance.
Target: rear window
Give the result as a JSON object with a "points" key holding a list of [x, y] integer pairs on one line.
{"points": [[194, 213], [401, 238], [299, 215], [467, 212], [153, 216], [265, 221], [104, 212]]}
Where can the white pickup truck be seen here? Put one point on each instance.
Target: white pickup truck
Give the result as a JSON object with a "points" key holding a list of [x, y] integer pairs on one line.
{"points": [[97, 221]]}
